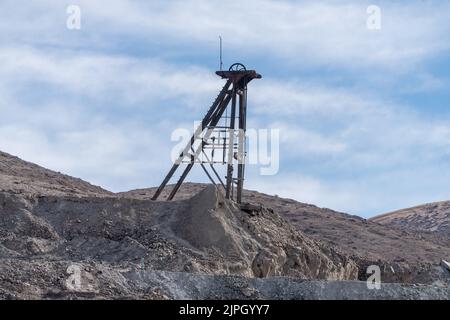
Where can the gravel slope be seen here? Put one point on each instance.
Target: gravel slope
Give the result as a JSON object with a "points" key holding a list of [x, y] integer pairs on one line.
{"points": [[27, 178], [408, 256], [199, 246]]}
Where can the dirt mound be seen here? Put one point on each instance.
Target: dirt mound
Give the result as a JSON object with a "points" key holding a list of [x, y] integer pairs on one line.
{"points": [[403, 255], [204, 234], [261, 245], [432, 217]]}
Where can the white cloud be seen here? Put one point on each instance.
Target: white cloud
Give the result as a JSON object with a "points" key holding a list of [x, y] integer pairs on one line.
{"points": [[331, 33], [299, 99], [308, 143], [81, 122], [354, 153], [104, 77], [308, 190]]}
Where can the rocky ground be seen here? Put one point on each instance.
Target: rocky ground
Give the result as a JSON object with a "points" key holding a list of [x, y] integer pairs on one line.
{"points": [[63, 238], [432, 217], [405, 255]]}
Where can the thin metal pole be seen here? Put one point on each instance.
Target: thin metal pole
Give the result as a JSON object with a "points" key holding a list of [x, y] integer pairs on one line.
{"points": [[221, 62]]}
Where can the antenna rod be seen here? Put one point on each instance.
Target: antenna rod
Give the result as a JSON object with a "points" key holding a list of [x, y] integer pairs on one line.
{"points": [[221, 62]]}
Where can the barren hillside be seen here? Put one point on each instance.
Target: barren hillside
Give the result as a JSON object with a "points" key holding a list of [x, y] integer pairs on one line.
{"points": [[404, 254], [126, 245], [434, 217], [28, 178]]}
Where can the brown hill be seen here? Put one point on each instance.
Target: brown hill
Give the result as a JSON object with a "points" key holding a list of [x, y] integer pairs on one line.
{"points": [[431, 217], [24, 177]]}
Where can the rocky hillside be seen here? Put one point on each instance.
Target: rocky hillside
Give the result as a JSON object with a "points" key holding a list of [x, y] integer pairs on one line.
{"points": [[432, 217], [24, 177], [126, 245], [203, 234], [404, 255]]}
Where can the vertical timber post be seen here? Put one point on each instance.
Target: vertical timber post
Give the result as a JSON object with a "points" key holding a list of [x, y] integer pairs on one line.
{"points": [[229, 189], [242, 139]]}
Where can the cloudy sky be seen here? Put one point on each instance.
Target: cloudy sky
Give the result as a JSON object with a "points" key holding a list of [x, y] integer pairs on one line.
{"points": [[364, 115]]}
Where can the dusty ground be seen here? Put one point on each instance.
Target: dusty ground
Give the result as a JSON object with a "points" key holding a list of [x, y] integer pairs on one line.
{"points": [[404, 255], [53, 227], [47, 280]]}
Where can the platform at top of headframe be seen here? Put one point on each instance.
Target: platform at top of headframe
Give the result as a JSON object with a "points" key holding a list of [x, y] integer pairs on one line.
{"points": [[232, 74], [238, 70]]}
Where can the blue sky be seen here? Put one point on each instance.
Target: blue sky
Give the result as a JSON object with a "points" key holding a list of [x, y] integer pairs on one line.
{"points": [[363, 115]]}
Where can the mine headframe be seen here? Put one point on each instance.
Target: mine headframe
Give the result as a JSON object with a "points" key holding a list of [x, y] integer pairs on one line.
{"points": [[220, 137]]}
